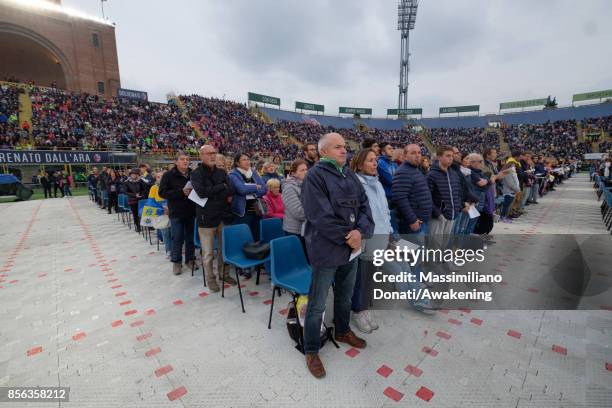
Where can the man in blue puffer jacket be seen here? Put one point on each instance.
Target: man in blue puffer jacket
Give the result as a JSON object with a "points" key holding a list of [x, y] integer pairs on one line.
{"points": [[411, 194], [386, 168], [446, 191]]}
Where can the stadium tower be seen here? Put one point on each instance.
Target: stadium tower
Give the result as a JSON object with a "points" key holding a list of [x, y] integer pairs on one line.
{"points": [[406, 17], [45, 42]]}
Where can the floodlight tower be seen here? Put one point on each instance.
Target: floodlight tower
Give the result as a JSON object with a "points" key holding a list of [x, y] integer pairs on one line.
{"points": [[406, 18]]}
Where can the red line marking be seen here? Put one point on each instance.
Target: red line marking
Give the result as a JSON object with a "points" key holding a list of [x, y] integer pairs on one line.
{"points": [[163, 370], [33, 351], [120, 294], [253, 293], [203, 294], [455, 321], [443, 335], [116, 286], [559, 349], [143, 336], [283, 311], [178, 302], [352, 352], [384, 371], [125, 302], [137, 323], [267, 302], [410, 369], [79, 336], [445, 311], [176, 393], [430, 351], [514, 333], [150, 312], [608, 366], [392, 393], [117, 323], [465, 309], [476, 321], [425, 394], [130, 312], [152, 352]]}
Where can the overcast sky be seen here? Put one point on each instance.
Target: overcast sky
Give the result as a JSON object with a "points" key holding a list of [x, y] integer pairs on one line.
{"points": [[346, 52]]}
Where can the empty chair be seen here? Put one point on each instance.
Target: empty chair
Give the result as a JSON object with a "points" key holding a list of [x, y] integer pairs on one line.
{"points": [[290, 269]]}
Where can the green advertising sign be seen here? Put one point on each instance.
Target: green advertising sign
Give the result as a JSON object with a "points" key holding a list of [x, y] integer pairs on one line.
{"points": [[270, 100], [592, 95], [409, 111], [460, 109], [309, 106], [355, 111], [523, 104]]}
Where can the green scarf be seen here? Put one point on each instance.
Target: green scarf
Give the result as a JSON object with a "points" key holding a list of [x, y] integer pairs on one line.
{"points": [[334, 163]]}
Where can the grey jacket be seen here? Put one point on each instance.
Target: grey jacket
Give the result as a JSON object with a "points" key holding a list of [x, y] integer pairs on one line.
{"points": [[510, 183], [294, 212]]}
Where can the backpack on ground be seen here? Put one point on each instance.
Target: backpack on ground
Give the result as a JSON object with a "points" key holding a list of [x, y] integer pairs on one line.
{"points": [[295, 324]]}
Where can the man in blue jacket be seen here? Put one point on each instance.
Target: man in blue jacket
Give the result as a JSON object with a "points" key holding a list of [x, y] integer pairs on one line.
{"points": [[447, 192], [411, 194], [337, 218], [386, 168]]}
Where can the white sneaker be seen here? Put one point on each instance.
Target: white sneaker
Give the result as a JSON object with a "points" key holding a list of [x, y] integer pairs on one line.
{"points": [[360, 321], [371, 321]]}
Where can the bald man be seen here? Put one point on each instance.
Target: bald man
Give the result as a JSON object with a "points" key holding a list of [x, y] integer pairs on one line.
{"points": [[411, 194], [212, 183], [337, 218]]}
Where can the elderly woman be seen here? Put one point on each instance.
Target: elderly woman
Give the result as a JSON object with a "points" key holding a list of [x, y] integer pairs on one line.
{"points": [[274, 200], [248, 187], [270, 172], [294, 212], [364, 164]]}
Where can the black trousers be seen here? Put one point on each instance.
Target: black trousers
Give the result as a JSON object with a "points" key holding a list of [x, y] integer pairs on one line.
{"points": [[134, 208], [47, 190]]}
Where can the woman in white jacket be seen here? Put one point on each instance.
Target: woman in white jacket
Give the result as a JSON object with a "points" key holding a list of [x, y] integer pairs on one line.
{"points": [[510, 186], [364, 165]]}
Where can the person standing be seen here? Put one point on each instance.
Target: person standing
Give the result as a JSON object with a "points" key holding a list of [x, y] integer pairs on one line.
{"points": [[337, 218], [134, 190], [46, 183], [211, 183], [294, 212], [174, 188], [114, 188]]}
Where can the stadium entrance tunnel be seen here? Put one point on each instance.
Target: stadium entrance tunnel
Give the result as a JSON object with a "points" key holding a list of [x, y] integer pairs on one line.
{"points": [[28, 59]]}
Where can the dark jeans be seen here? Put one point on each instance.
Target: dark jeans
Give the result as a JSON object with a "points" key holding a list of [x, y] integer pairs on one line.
{"points": [[357, 301], [134, 208], [343, 278], [47, 190], [505, 210], [56, 187], [181, 230], [113, 201], [67, 190], [252, 220]]}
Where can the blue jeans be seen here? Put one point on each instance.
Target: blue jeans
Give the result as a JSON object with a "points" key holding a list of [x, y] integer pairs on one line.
{"points": [[182, 232], [164, 235], [505, 210], [343, 278]]}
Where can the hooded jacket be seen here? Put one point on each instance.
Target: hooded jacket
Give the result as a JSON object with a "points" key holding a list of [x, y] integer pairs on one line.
{"points": [[334, 203], [446, 191]]}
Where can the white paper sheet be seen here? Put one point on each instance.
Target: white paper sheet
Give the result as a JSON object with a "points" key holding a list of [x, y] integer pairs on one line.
{"points": [[473, 212], [409, 245], [193, 196], [355, 254]]}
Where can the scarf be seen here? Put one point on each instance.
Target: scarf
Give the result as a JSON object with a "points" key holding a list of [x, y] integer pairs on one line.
{"points": [[245, 173]]}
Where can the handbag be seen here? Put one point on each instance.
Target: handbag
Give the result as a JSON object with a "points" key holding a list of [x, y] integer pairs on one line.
{"points": [[256, 250], [260, 207]]}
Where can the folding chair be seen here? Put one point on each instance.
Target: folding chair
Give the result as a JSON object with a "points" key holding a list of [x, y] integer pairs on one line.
{"points": [[290, 269], [234, 237]]}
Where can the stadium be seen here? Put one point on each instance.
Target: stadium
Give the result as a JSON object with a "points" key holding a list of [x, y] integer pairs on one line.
{"points": [[180, 250]]}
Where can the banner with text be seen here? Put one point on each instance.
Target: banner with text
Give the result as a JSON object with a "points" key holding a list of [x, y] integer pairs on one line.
{"points": [[25, 157], [409, 111], [460, 109], [355, 111], [523, 104], [131, 94], [309, 106], [270, 100], [592, 95]]}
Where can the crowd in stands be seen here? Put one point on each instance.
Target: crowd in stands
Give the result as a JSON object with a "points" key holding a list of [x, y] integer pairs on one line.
{"points": [[471, 139], [557, 139], [598, 124], [11, 132]]}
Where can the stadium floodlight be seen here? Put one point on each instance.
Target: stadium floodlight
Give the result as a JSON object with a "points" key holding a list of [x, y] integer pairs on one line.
{"points": [[406, 18], [54, 7]]}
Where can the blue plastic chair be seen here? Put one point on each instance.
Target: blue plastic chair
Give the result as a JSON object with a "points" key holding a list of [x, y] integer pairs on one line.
{"points": [[234, 237], [290, 269], [271, 228]]}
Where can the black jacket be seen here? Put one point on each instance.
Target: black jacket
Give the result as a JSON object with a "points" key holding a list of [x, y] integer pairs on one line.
{"points": [[171, 188], [411, 194], [134, 190], [214, 185]]}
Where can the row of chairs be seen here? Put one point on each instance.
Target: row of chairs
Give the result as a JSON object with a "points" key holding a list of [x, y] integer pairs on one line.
{"points": [[291, 273], [605, 194]]}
